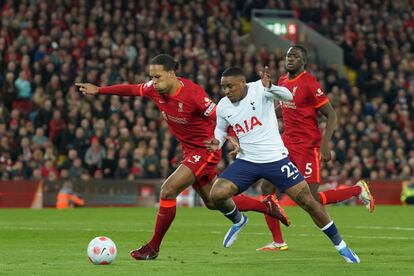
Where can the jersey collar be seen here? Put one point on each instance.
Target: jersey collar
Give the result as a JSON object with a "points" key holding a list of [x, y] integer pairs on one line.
{"points": [[176, 93], [297, 77]]}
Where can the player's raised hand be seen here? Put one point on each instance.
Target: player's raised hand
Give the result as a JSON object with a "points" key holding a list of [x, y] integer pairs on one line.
{"points": [[324, 152], [212, 144], [236, 146], [265, 77], [87, 88]]}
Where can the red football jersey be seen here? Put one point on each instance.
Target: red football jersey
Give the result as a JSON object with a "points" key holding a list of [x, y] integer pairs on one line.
{"points": [[300, 114], [187, 112]]}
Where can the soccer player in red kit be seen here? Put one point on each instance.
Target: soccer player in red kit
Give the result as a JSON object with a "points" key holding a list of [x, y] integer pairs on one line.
{"points": [[191, 118], [304, 140]]}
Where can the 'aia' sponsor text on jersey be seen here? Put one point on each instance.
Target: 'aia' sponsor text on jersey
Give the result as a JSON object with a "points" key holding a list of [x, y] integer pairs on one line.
{"points": [[246, 125]]}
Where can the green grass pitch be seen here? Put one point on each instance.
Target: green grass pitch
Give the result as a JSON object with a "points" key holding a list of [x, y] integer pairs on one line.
{"points": [[52, 242]]}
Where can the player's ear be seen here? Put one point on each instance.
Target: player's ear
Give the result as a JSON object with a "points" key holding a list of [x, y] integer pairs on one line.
{"points": [[243, 80]]}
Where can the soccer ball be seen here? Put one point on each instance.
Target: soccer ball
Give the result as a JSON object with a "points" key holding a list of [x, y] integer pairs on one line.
{"points": [[101, 250]]}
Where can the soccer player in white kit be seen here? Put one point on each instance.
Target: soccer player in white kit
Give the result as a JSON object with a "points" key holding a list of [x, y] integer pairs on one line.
{"points": [[249, 109]]}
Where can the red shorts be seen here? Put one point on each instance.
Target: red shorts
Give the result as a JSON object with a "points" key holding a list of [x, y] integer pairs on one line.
{"points": [[203, 164], [307, 162]]}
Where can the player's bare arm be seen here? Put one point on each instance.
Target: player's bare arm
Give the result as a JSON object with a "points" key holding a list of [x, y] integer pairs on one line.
{"points": [[281, 93], [87, 88], [328, 111]]}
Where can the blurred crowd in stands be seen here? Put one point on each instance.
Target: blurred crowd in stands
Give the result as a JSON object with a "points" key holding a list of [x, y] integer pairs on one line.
{"points": [[48, 130]]}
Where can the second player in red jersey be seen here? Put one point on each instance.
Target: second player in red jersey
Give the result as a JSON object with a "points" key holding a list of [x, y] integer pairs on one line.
{"points": [[302, 135], [300, 114], [304, 140]]}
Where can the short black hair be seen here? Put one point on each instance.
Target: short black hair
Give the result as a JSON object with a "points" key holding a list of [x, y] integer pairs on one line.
{"points": [[233, 72], [303, 50], [167, 61]]}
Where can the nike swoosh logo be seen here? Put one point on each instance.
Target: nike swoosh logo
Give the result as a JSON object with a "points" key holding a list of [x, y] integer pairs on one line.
{"points": [[296, 176], [307, 176], [103, 250]]}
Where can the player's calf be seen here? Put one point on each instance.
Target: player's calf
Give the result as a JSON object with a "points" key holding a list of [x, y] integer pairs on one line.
{"points": [[221, 191], [301, 194]]}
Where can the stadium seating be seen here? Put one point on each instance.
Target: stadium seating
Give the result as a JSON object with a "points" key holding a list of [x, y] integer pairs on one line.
{"points": [[45, 47]]}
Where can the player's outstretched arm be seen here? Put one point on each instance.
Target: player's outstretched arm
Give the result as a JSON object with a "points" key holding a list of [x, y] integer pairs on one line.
{"points": [[87, 88], [281, 93], [118, 89]]}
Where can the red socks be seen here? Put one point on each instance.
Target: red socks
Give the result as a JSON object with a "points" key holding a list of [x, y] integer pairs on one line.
{"points": [[165, 217], [245, 203], [274, 226], [335, 196]]}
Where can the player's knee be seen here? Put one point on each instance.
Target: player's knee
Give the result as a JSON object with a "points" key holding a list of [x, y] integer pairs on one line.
{"points": [[217, 195], [309, 204], [210, 205], [168, 192], [314, 191], [220, 191], [267, 188]]}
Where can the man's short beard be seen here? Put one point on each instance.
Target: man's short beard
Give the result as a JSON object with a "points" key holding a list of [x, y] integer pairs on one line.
{"points": [[292, 71]]}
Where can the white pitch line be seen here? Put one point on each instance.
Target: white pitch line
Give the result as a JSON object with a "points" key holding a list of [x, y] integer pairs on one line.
{"points": [[396, 228], [210, 232], [385, 228], [347, 236]]}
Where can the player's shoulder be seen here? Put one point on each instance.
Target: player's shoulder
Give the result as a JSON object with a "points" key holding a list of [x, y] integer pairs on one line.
{"points": [[146, 88], [223, 102], [188, 84], [255, 86], [191, 89], [148, 84], [308, 77], [283, 78]]}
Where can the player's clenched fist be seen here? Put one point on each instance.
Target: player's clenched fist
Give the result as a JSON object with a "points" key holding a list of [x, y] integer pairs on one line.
{"points": [[212, 144], [87, 88]]}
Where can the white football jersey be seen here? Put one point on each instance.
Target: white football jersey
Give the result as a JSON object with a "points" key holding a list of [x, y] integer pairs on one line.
{"points": [[254, 121]]}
